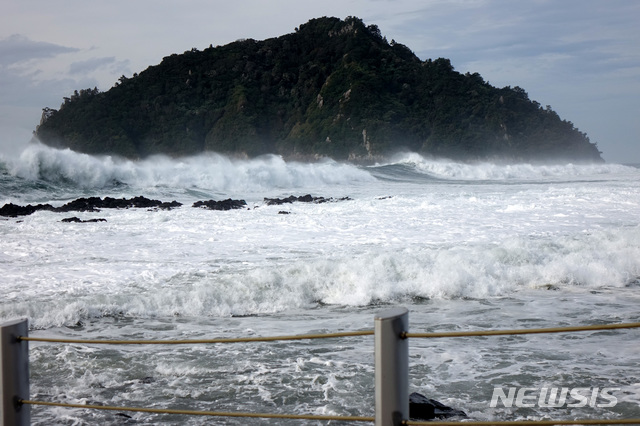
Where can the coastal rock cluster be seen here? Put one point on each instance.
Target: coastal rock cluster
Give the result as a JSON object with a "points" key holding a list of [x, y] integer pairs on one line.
{"points": [[303, 199], [227, 204], [90, 204], [76, 219], [94, 204]]}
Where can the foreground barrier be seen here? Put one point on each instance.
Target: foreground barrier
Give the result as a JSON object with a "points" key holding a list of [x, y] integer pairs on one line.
{"points": [[391, 353]]}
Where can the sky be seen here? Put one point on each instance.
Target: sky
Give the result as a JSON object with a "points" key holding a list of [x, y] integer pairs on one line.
{"points": [[581, 57]]}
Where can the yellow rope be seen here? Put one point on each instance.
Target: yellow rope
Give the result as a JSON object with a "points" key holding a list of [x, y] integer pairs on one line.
{"points": [[528, 422], [336, 418], [334, 335], [197, 341], [477, 333], [522, 331], [204, 413]]}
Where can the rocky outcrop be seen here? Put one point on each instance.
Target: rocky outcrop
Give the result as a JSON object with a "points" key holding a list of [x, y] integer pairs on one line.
{"points": [[14, 210], [94, 204], [91, 204], [78, 220], [302, 199], [227, 204]]}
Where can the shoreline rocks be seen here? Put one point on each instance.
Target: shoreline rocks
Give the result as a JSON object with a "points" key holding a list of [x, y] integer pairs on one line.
{"points": [[95, 204], [302, 199], [14, 210], [90, 204], [227, 204], [78, 220]]}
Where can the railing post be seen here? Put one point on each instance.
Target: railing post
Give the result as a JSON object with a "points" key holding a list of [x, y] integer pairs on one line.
{"points": [[14, 373], [391, 367]]}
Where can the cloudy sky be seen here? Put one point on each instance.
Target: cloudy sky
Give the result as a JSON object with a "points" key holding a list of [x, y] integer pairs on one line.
{"points": [[582, 57]]}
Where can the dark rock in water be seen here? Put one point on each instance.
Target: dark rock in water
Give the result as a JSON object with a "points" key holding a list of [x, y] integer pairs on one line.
{"points": [[13, 210], [72, 219], [78, 220], [227, 204], [423, 408], [123, 415], [90, 204], [288, 200], [96, 203], [169, 205], [303, 199]]}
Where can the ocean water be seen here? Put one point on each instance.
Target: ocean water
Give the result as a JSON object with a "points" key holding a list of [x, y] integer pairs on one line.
{"points": [[462, 246]]}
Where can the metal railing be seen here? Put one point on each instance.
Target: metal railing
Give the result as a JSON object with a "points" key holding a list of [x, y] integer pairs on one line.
{"points": [[391, 353]]}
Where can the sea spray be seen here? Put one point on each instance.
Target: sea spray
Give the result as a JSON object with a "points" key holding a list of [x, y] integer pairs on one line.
{"points": [[464, 247], [487, 171], [596, 261], [208, 171]]}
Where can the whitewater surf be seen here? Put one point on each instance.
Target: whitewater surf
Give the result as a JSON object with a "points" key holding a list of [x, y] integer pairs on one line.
{"points": [[463, 246]]}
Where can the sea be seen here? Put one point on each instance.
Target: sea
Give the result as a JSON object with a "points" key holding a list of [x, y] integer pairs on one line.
{"points": [[462, 245]]}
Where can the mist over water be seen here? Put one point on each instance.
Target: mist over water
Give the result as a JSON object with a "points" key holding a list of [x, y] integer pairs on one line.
{"points": [[209, 172], [222, 174], [462, 245]]}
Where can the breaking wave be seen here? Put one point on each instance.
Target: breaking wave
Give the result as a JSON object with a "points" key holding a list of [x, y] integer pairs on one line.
{"points": [[488, 171], [594, 261], [206, 171]]}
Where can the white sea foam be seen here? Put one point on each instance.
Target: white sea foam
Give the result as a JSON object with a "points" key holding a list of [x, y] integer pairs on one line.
{"points": [[462, 246], [445, 169], [429, 241], [207, 171], [196, 278]]}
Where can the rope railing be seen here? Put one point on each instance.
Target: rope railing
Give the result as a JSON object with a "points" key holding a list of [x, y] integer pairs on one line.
{"points": [[480, 333], [199, 341], [206, 413], [393, 338], [321, 417], [528, 422], [403, 335]]}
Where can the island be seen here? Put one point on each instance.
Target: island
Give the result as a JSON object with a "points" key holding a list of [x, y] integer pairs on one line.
{"points": [[332, 88]]}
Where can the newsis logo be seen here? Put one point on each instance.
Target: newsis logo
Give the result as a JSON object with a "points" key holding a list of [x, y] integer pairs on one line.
{"points": [[553, 397]]}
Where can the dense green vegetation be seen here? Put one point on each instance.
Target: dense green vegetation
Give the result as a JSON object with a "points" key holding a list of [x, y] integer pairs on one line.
{"points": [[333, 87]]}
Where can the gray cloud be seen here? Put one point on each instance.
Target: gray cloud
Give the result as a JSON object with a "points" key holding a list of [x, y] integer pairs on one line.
{"points": [[588, 34], [18, 48], [83, 67], [23, 90]]}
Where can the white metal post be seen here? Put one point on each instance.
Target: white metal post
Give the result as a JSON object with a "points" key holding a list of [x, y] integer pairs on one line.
{"points": [[392, 367], [14, 373]]}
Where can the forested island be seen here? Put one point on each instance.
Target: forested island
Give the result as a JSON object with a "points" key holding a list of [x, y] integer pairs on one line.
{"points": [[333, 88]]}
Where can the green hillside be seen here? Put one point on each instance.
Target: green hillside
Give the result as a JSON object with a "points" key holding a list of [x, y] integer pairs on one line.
{"points": [[333, 88]]}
